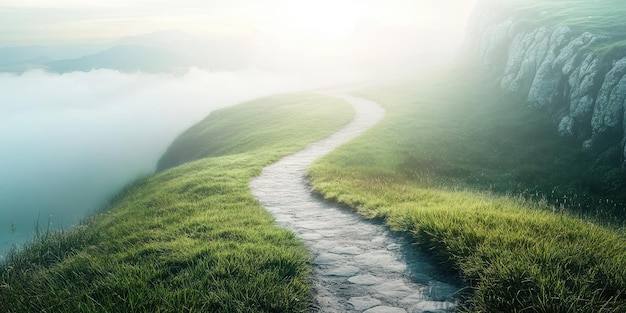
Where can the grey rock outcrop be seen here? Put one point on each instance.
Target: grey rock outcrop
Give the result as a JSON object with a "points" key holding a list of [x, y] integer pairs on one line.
{"points": [[581, 83], [545, 84], [566, 126], [526, 54], [557, 69], [608, 114]]}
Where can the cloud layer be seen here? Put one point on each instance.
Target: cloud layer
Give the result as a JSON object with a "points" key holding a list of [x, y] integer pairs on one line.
{"points": [[70, 141]]}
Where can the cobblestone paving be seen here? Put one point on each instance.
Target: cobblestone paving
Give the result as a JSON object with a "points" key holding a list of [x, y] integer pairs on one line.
{"points": [[359, 265]]}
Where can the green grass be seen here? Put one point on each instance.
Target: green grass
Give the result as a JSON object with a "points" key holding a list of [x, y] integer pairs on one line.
{"points": [[487, 189], [188, 239], [228, 131], [596, 16]]}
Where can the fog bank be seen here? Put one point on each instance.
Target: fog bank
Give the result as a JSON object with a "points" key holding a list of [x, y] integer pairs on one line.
{"points": [[70, 141]]}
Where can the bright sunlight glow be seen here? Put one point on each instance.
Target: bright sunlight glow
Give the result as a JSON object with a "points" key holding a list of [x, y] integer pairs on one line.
{"points": [[320, 20], [300, 35], [327, 19]]}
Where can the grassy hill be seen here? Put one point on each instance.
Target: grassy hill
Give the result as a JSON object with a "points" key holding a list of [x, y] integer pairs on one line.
{"points": [[228, 132], [188, 239], [485, 185]]}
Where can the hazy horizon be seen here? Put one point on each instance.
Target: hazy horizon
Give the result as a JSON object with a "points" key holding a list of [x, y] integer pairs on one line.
{"points": [[69, 146], [74, 137], [291, 35]]}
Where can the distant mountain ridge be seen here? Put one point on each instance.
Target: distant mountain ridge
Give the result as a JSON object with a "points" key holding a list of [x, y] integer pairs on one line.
{"points": [[126, 58], [162, 51], [17, 55]]}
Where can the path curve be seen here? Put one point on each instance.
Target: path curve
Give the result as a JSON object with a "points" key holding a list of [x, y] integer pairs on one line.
{"points": [[359, 265]]}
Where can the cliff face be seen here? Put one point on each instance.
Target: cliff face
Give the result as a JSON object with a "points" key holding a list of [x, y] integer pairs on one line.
{"points": [[558, 69]]}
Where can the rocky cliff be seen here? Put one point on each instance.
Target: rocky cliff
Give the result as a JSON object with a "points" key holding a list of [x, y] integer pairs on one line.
{"points": [[575, 74]]}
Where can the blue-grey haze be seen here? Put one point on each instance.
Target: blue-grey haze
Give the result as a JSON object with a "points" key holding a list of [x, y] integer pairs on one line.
{"points": [[69, 142]]}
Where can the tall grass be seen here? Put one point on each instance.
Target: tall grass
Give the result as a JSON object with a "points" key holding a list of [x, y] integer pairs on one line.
{"points": [[189, 239], [448, 164]]}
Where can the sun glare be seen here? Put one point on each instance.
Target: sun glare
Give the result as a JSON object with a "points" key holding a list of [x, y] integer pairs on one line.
{"points": [[325, 20]]}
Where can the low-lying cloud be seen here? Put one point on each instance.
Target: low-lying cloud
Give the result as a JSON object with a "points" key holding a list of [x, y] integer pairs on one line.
{"points": [[70, 141]]}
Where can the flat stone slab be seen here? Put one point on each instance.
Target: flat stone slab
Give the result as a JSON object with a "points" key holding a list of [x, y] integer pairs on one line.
{"points": [[394, 289], [366, 280], [413, 299], [396, 267], [310, 236], [328, 258], [364, 303], [347, 250], [385, 309], [344, 271], [376, 257]]}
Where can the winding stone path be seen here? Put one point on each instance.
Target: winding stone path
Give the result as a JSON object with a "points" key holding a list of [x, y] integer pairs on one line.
{"points": [[359, 265]]}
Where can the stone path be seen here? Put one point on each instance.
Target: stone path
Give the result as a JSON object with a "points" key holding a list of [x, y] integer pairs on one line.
{"points": [[359, 265]]}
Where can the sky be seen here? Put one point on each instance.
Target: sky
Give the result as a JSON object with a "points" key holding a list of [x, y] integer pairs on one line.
{"points": [[31, 22], [69, 141], [306, 35]]}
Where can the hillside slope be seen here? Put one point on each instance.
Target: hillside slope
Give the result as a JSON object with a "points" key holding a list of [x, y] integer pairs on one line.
{"points": [[189, 239], [248, 130]]}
